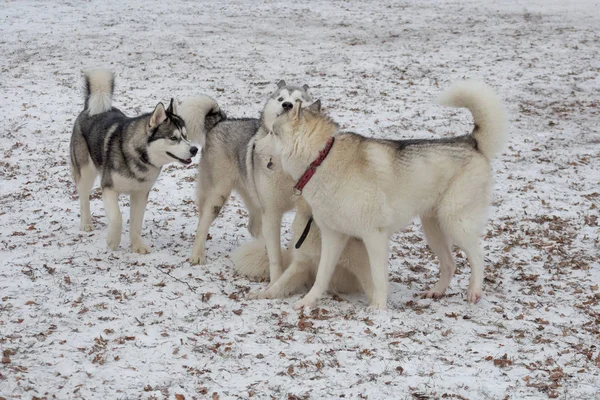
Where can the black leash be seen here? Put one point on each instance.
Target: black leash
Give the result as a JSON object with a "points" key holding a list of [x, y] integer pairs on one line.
{"points": [[304, 233]]}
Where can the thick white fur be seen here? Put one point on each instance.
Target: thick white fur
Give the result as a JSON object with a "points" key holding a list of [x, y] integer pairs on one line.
{"points": [[193, 110], [100, 90], [300, 265], [488, 113], [370, 189], [251, 259]]}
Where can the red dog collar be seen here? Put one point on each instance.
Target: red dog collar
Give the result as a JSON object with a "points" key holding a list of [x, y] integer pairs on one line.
{"points": [[310, 171]]}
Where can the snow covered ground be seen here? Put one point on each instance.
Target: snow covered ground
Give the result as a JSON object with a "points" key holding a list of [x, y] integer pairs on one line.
{"points": [[79, 321]]}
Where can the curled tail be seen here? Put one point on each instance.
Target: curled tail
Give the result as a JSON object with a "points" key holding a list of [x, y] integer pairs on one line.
{"points": [[251, 259], [200, 114], [488, 113], [99, 88]]}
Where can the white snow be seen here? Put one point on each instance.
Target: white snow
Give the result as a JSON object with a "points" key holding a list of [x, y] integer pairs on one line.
{"points": [[80, 321]]}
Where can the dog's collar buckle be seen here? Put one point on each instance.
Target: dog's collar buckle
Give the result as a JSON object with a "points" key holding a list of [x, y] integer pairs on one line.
{"points": [[312, 168]]}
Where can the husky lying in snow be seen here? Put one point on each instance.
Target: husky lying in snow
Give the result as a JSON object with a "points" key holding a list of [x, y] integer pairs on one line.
{"points": [[367, 188], [300, 262], [127, 153]]}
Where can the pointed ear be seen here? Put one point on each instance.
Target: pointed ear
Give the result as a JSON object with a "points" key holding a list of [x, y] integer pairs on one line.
{"points": [[172, 106], [159, 115], [280, 84], [315, 107], [305, 87], [297, 111]]}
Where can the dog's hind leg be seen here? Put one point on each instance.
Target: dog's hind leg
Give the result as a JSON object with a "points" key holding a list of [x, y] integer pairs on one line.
{"points": [[464, 229], [377, 244], [271, 228], [84, 173], [462, 215], [332, 245], [115, 220], [255, 222], [470, 245], [210, 201], [136, 217], [85, 183], [441, 246]]}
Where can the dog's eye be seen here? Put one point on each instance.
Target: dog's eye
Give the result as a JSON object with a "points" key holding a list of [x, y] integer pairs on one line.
{"points": [[280, 99], [173, 138]]}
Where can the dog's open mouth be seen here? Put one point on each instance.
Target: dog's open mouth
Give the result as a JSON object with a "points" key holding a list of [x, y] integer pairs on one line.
{"points": [[187, 161]]}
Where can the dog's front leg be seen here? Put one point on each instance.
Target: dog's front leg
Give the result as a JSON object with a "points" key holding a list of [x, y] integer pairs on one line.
{"points": [[115, 220], [271, 228], [332, 245], [294, 277], [136, 217], [255, 222]]}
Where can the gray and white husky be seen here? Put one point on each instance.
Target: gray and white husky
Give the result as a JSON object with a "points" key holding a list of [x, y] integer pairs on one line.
{"points": [[229, 161], [367, 188], [127, 153]]}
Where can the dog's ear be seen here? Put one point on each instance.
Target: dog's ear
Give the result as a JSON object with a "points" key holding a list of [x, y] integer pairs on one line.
{"points": [[280, 84], [297, 110], [315, 107], [172, 106], [305, 87], [159, 115]]}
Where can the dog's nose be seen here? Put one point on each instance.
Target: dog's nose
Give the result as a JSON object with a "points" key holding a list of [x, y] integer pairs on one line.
{"points": [[287, 105], [193, 150]]}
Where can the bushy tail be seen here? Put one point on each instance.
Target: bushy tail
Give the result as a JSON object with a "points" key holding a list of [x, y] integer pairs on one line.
{"points": [[99, 88], [488, 112], [251, 259], [195, 111]]}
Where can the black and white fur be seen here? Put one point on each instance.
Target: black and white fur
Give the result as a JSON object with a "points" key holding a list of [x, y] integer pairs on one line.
{"points": [[127, 153]]}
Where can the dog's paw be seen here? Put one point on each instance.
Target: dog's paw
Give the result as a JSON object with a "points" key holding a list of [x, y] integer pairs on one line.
{"points": [[113, 240], [474, 294], [138, 246], [86, 226], [198, 257], [305, 302], [378, 306], [261, 294], [432, 294]]}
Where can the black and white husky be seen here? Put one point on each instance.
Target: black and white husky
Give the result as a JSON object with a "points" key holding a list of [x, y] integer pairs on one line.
{"points": [[127, 153]]}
